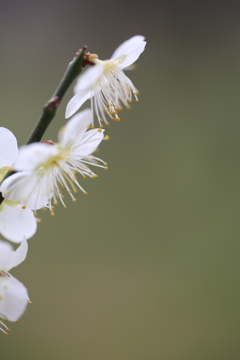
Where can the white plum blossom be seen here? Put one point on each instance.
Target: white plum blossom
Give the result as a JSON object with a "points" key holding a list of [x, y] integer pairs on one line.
{"points": [[15, 222], [13, 294], [44, 167], [106, 84]]}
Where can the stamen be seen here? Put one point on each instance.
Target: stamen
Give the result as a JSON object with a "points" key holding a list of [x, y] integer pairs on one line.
{"points": [[6, 332]]}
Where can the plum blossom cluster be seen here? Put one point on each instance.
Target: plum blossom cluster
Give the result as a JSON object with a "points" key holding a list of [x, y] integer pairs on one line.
{"points": [[38, 174]]}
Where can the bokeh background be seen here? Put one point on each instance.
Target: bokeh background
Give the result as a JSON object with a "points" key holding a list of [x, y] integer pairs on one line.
{"points": [[146, 266]]}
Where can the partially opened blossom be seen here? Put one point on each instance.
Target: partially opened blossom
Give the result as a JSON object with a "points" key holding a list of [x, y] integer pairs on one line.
{"points": [[15, 222], [106, 84], [13, 294], [45, 167]]}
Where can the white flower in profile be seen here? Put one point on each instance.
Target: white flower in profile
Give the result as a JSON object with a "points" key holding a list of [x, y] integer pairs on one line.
{"points": [[15, 222], [13, 294], [106, 84], [43, 167]]}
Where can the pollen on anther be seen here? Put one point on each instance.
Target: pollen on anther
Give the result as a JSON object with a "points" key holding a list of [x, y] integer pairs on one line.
{"points": [[99, 130], [106, 137], [23, 207]]}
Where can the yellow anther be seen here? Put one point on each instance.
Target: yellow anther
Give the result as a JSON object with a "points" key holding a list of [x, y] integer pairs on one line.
{"points": [[92, 127], [65, 206], [84, 177], [52, 213], [106, 168], [74, 200], [101, 126], [23, 207], [99, 130], [63, 128], [106, 137], [30, 302], [85, 193], [105, 164]]}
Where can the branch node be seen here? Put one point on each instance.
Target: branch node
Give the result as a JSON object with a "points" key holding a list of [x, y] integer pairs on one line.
{"points": [[53, 103]]}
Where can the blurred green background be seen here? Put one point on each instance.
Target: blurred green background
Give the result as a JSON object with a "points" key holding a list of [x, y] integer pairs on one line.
{"points": [[146, 266]]}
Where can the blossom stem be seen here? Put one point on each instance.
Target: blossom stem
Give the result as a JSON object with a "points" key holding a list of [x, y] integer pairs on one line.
{"points": [[49, 110]]}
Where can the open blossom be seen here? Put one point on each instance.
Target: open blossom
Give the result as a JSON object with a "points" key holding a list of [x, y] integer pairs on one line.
{"points": [[13, 294], [44, 167], [15, 222], [106, 84]]}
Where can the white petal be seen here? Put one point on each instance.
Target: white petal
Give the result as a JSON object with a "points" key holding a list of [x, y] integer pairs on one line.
{"points": [[17, 223], [73, 131], [28, 188], [129, 51], [89, 143], [33, 155], [19, 255], [89, 77], [76, 102], [8, 147], [6, 253], [10, 258], [13, 298]]}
